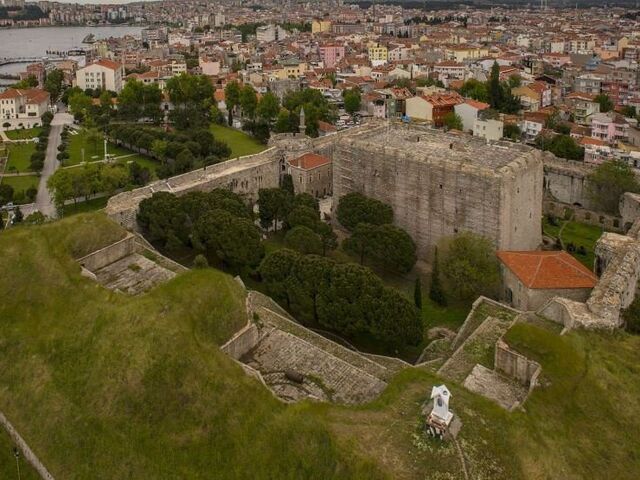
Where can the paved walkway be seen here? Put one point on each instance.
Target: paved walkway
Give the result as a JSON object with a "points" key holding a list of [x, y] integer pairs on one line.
{"points": [[44, 201]]}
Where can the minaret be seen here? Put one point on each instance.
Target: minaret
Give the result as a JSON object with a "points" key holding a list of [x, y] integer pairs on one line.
{"points": [[302, 128]]}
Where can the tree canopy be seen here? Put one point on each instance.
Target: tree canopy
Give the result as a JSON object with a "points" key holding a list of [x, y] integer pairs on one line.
{"points": [[355, 208], [608, 182], [468, 266]]}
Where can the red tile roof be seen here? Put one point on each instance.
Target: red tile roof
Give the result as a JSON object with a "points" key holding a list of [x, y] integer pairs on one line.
{"points": [[548, 270], [309, 161]]}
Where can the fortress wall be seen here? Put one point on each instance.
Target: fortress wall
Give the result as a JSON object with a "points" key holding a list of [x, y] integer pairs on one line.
{"points": [[521, 204], [244, 176], [565, 181], [436, 200]]}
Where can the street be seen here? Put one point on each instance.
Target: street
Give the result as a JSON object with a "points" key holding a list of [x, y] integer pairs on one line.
{"points": [[44, 201]]}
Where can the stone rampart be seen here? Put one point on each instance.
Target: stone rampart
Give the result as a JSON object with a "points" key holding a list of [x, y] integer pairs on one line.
{"points": [[565, 181], [515, 365], [583, 215], [244, 176], [109, 254]]}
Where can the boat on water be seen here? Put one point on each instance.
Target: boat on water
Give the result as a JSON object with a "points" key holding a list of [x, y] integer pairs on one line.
{"points": [[91, 38]]}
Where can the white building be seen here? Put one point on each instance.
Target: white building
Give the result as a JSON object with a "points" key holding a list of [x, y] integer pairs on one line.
{"points": [[22, 108], [469, 112], [488, 129], [103, 74]]}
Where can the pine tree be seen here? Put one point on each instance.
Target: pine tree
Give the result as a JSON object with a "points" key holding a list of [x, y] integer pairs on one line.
{"points": [[417, 293], [18, 216], [436, 293]]}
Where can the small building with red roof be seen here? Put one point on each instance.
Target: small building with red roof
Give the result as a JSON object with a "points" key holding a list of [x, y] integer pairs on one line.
{"points": [[311, 173], [531, 278]]}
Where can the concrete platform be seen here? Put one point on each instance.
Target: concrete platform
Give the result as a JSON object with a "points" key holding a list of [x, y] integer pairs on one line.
{"points": [[133, 274], [490, 384]]}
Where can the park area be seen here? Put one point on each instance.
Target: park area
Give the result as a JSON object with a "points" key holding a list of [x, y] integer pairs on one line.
{"points": [[84, 145], [23, 134], [20, 185], [575, 235], [20, 157], [239, 142]]}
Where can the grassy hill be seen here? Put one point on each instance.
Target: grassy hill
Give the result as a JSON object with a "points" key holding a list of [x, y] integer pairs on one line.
{"points": [[107, 386], [103, 385]]}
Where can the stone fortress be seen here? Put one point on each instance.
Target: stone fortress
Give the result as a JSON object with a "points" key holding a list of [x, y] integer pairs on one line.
{"points": [[439, 184]]}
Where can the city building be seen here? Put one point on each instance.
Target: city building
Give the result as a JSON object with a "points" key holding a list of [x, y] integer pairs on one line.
{"points": [[22, 108], [102, 75]]}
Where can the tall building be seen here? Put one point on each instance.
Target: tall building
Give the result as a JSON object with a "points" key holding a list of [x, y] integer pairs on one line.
{"points": [[103, 74]]}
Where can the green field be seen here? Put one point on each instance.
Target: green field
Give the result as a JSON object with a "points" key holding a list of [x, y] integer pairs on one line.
{"points": [[20, 157], [580, 234], [95, 152], [23, 133], [104, 385], [239, 142], [21, 184]]}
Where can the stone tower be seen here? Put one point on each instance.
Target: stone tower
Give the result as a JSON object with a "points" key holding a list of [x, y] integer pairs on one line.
{"points": [[302, 128]]}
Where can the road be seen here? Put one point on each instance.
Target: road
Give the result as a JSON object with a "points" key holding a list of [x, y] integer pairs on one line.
{"points": [[44, 201]]}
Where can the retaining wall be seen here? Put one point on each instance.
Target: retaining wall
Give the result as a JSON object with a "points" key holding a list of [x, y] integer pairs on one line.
{"points": [[515, 365], [109, 254]]}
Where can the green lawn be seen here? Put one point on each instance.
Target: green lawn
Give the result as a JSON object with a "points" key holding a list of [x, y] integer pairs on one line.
{"points": [[580, 234], [239, 142], [104, 385], [21, 184], [23, 133], [20, 157], [95, 152]]}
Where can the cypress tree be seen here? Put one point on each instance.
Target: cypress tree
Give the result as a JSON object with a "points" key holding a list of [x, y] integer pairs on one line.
{"points": [[417, 293], [436, 293]]}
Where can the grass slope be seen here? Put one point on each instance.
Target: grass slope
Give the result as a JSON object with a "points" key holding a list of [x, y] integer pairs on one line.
{"points": [[239, 142], [108, 386]]}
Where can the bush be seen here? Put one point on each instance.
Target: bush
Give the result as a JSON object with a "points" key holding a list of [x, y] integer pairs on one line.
{"points": [[200, 261]]}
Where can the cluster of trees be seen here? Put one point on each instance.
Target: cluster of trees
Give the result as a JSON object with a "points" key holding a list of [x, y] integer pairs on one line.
{"points": [[36, 162], [373, 237], [299, 215], [178, 152], [138, 101], [217, 224], [608, 182], [316, 108], [494, 92], [561, 145], [86, 181], [268, 115], [83, 107], [346, 298], [465, 266], [192, 99], [258, 116]]}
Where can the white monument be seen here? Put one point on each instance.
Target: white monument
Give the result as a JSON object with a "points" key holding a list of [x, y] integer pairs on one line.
{"points": [[440, 422], [440, 396]]}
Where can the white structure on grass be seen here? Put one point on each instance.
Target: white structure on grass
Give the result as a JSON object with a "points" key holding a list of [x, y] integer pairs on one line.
{"points": [[441, 396]]}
